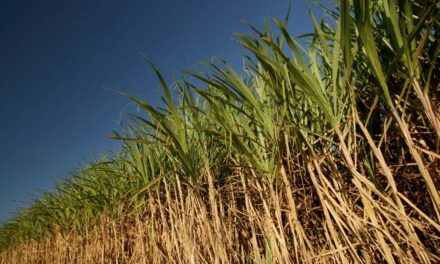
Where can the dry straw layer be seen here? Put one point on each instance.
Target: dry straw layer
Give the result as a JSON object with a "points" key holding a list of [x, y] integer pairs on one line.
{"points": [[325, 150]]}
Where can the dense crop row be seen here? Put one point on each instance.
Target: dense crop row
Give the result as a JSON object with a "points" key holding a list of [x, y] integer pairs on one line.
{"points": [[325, 148]]}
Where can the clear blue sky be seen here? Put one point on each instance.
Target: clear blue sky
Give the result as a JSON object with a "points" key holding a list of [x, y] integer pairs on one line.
{"points": [[60, 60]]}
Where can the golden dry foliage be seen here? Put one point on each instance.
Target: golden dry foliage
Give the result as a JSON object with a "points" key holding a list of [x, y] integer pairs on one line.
{"points": [[245, 222]]}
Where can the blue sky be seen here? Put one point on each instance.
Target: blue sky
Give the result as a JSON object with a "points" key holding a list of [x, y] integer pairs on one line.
{"points": [[60, 62]]}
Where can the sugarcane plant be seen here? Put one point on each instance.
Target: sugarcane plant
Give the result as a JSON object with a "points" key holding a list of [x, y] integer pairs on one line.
{"points": [[348, 114]]}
